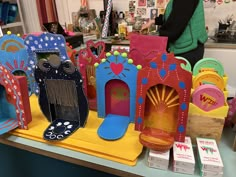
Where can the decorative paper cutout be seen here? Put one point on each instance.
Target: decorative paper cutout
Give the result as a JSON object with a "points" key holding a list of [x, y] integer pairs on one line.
{"points": [[86, 62], [61, 97], [14, 56], [14, 101], [141, 52], [45, 43], [165, 86], [117, 76]]}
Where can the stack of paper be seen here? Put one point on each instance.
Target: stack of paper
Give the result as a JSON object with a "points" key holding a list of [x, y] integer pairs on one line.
{"points": [[209, 158], [183, 157], [157, 159]]}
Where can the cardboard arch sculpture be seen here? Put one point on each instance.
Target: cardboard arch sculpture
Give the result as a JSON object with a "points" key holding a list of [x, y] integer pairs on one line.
{"points": [[14, 101], [14, 56], [166, 86], [45, 44]]}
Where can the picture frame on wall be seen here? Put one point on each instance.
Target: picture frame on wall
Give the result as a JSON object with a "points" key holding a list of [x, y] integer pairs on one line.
{"points": [[142, 2]]}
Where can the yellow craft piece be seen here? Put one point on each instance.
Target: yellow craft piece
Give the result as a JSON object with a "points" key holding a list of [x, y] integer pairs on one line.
{"points": [[208, 77], [125, 150]]}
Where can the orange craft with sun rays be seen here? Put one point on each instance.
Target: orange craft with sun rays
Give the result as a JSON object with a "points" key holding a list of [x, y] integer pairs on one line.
{"points": [[163, 94]]}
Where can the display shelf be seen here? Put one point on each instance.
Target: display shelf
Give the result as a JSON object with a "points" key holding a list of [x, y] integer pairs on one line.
{"points": [[140, 169], [19, 19], [11, 25]]}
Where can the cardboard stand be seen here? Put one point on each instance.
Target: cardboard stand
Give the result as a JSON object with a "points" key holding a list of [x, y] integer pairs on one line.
{"points": [[61, 97]]}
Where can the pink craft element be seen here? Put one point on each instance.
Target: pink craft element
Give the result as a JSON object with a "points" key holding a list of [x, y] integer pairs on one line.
{"points": [[117, 98], [106, 22], [86, 66], [143, 48], [116, 68], [208, 97]]}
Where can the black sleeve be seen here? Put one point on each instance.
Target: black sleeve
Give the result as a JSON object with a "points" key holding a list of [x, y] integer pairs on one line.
{"points": [[178, 19], [159, 20]]}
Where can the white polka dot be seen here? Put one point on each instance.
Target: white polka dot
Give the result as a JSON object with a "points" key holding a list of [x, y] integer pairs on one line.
{"points": [[51, 128], [69, 126], [46, 44], [66, 123], [36, 42], [46, 38], [59, 124], [9, 90], [32, 48], [27, 42]]}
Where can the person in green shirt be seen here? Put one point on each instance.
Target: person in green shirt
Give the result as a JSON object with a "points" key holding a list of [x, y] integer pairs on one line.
{"points": [[184, 24]]}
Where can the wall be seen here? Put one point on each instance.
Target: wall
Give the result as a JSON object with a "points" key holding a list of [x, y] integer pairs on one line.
{"points": [[218, 11], [119, 5], [214, 9]]}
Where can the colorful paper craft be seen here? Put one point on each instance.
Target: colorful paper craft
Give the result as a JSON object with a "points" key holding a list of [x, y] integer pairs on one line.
{"points": [[208, 64], [163, 95], [186, 66], [88, 56], [14, 57], [208, 97], [61, 97], [14, 101], [143, 48], [208, 77], [42, 46], [116, 80]]}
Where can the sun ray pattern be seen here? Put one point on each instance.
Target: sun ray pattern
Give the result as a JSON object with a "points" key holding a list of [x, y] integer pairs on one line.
{"points": [[14, 56]]}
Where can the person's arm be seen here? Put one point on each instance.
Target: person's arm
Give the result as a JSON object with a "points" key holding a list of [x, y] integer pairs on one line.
{"points": [[178, 19]]}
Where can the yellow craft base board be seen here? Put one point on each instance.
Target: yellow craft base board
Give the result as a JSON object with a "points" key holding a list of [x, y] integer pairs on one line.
{"points": [[125, 150]]}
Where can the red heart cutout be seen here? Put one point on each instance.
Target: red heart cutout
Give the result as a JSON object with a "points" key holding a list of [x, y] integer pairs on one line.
{"points": [[97, 45], [116, 68]]}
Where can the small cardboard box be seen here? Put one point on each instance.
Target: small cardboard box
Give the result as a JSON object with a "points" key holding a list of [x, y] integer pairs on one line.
{"points": [[183, 170], [206, 124], [209, 155], [158, 166], [160, 158], [211, 174], [183, 156]]}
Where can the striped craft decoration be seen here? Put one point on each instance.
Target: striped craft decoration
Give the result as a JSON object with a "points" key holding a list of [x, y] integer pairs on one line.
{"points": [[106, 22]]}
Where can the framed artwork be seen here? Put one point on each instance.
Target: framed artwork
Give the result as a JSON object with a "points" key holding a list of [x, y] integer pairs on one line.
{"points": [[153, 13], [150, 3], [142, 2]]}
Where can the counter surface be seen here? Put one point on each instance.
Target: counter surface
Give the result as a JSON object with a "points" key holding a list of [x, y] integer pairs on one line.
{"points": [[141, 169]]}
